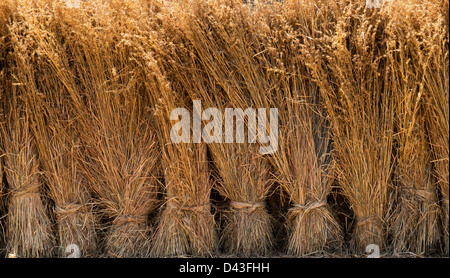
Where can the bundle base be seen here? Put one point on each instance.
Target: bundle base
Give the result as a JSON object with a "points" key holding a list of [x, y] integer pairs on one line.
{"points": [[248, 231], [188, 231], [312, 231]]}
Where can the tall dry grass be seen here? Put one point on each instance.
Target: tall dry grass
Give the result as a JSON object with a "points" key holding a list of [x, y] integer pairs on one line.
{"points": [[219, 72], [436, 89], [416, 35], [46, 81], [86, 95], [303, 163], [121, 158], [186, 225], [28, 227], [351, 72]]}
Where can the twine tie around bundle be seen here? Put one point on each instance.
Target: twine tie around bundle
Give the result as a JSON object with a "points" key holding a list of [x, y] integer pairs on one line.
{"points": [[422, 194], [250, 207], [172, 204], [123, 219], [68, 208], [298, 208], [24, 194], [199, 208]]}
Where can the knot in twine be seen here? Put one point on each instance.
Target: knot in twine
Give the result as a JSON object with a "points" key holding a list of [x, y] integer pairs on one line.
{"points": [[360, 221], [24, 193], [123, 219], [246, 206], [297, 208], [175, 205], [68, 208], [422, 194]]}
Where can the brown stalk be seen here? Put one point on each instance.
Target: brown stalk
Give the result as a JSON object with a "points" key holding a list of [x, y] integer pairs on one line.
{"points": [[303, 163], [28, 226], [415, 220], [186, 225], [436, 88], [355, 89], [48, 85], [120, 158], [216, 34]]}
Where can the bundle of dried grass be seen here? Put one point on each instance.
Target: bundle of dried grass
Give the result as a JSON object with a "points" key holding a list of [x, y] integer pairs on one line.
{"points": [[353, 79], [436, 90], [438, 130], [121, 159], [28, 226], [303, 162], [223, 76], [74, 212], [186, 225], [122, 166], [246, 183], [414, 225], [48, 84]]}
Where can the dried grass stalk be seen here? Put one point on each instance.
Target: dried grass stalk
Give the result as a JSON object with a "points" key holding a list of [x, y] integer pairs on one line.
{"points": [[122, 161], [28, 226], [245, 182], [47, 83], [120, 158], [75, 220], [355, 89], [186, 225], [439, 131], [217, 35], [415, 221], [305, 173], [436, 90], [303, 162]]}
